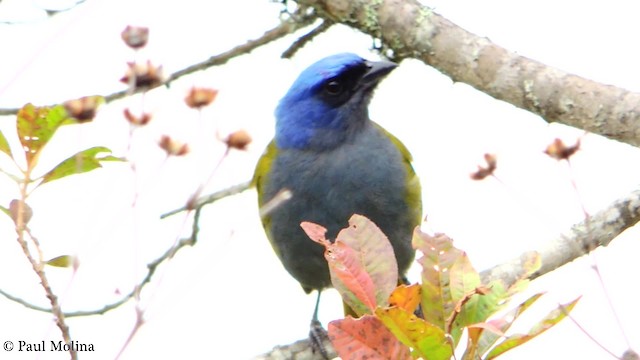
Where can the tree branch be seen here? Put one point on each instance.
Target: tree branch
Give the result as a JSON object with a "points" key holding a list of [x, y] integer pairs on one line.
{"points": [[409, 29], [306, 38], [299, 350], [286, 27], [599, 230]]}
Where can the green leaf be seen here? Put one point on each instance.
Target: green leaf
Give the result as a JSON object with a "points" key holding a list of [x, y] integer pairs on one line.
{"points": [[474, 348], [36, 126], [439, 256], [365, 338], [4, 145], [463, 278], [82, 162], [5, 210], [488, 339], [486, 305], [553, 318], [427, 340]]}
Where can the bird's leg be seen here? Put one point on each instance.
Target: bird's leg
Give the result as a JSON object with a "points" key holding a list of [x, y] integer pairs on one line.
{"points": [[317, 334]]}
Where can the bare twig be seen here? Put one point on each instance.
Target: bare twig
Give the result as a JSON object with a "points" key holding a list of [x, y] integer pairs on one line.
{"points": [[286, 27], [151, 269], [304, 39], [49, 12], [38, 265], [208, 199], [134, 331]]}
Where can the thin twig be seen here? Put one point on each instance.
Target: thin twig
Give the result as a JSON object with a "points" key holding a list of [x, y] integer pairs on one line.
{"points": [[305, 39], [151, 269], [208, 199], [286, 27], [585, 332], [38, 265]]}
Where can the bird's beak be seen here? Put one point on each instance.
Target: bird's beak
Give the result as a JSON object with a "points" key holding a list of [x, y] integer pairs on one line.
{"points": [[377, 71]]}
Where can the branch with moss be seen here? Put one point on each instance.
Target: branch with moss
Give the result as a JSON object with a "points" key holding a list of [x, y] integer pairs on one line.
{"points": [[408, 29], [595, 231]]}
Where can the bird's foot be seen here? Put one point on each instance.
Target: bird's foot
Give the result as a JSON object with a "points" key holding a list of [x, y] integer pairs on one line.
{"points": [[317, 337]]}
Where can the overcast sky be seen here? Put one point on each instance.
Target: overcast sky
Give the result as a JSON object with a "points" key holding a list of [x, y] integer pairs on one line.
{"points": [[229, 297]]}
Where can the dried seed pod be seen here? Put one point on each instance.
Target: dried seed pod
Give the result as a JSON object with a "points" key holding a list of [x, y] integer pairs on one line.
{"points": [[173, 147], [484, 171], [135, 37], [200, 97], [238, 140], [84, 108], [137, 120], [560, 151], [143, 75]]}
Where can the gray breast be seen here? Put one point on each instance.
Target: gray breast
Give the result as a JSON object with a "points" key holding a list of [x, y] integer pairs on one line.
{"points": [[365, 175]]}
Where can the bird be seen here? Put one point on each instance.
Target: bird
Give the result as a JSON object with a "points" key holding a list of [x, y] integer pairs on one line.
{"points": [[333, 162]]}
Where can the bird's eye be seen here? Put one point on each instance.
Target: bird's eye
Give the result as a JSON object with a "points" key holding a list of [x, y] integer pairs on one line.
{"points": [[333, 87]]}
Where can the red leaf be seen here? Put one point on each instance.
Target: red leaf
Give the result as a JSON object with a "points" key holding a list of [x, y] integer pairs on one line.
{"points": [[365, 338], [374, 253], [315, 232], [350, 278]]}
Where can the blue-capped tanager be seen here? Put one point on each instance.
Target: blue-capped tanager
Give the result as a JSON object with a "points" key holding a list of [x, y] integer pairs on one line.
{"points": [[335, 162]]}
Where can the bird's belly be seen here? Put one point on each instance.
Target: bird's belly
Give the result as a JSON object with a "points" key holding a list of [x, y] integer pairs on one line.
{"points": [[328, 192]]}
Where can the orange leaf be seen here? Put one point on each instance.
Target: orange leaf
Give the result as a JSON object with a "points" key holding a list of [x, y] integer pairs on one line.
{"points": [[406, 297]]}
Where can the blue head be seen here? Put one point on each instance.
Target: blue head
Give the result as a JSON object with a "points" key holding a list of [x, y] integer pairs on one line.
{"points": [[328, 102]]}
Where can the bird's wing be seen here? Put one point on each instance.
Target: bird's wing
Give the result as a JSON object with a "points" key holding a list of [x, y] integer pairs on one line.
{"points": [[260, 175], [414, 190]]}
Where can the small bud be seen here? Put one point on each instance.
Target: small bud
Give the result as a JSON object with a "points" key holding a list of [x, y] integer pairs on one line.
{"points": [[14, 205], [135, 36], [143, 75], [63, 261], [238, 140], [559, 151], [173, 147], [483, 172], [135, 120], [84, 108], [199, 97]]}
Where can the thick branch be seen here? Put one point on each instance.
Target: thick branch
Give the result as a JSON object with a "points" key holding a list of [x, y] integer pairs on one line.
{"points": [[299, 350], [412, 30], [599, 230]]}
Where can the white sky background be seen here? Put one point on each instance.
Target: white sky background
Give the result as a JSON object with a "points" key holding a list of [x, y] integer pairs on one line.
{"points": [[229, 297]]}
